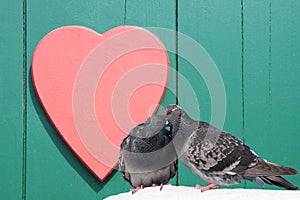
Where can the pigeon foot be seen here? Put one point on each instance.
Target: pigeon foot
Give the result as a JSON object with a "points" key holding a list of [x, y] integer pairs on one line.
{"points": [[160, 186], [134, 190], [205, 188]]}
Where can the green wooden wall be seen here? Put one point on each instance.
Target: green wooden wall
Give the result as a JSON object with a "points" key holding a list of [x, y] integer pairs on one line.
{"points": [[254, 43]]}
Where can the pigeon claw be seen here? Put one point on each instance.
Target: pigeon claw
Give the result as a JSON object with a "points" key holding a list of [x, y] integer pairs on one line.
{"points": [[205, 188], [134, 190], [161, 187]]}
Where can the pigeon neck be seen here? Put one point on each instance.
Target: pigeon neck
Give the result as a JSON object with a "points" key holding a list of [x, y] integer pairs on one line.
{"points": [[187, 124], [186, 119]]}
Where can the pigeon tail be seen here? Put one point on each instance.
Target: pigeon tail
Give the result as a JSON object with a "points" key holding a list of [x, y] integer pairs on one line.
{"points": [[279, 181], [264, 168]]}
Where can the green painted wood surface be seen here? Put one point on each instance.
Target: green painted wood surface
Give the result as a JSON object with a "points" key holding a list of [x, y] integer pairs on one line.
{"points": [[257, 65], [11, 90], [216, 26], [61, 174], [156, 14], [271, 83], [255, 45]]}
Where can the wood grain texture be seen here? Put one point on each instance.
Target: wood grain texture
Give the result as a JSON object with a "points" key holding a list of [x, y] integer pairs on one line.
{"points": [[11, 90], [216, 25], [257, 66], [255, 46], [53, 170], [159, 14], [283, 143], [271, 106]]}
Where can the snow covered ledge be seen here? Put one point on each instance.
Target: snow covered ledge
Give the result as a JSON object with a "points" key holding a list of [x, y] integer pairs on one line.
{"points": [[189, 193]]}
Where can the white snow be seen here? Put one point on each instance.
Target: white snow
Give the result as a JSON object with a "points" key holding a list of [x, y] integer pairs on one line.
{"points": [[190, 193]]}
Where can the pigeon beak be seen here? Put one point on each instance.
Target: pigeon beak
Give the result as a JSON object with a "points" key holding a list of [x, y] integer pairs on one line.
{"points": [[176, 108]]}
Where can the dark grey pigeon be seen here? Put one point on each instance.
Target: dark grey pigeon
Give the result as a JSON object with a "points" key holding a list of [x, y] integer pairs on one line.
{"points": [[147, 156], [218, 157]]}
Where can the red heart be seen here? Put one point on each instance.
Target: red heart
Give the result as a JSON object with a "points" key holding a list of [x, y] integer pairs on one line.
{"points": [[95, 88]]}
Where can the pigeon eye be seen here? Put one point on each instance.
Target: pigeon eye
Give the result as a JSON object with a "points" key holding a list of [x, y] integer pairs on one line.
{"points": [[169, 112], [159, 123]]}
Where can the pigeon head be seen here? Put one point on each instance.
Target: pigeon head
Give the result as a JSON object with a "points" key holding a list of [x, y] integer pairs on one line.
{"points": [[153, 126], [173, 113], [155, 122], [172, 110]]}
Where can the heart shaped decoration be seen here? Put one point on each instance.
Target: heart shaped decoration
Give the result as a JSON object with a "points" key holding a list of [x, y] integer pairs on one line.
{"points": [[95, 88]]}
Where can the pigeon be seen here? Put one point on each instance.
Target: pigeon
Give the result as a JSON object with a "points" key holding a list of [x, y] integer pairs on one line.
{"points": [[218, 157], [147, 157]]}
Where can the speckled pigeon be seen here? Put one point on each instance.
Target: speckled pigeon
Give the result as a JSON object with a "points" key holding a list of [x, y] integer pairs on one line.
{"points": [[147, 156], [218, 157]]}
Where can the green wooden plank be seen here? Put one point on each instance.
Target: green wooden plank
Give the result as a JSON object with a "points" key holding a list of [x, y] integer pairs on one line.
{"points": [[256, 75], [216, 25], [285, 85], [157, 14], [11, 60], [53, 171], [271, 83]]}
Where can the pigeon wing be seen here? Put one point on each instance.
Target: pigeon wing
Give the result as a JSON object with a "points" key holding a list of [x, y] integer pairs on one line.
{"points": [[219, 152], [122, 166]]}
